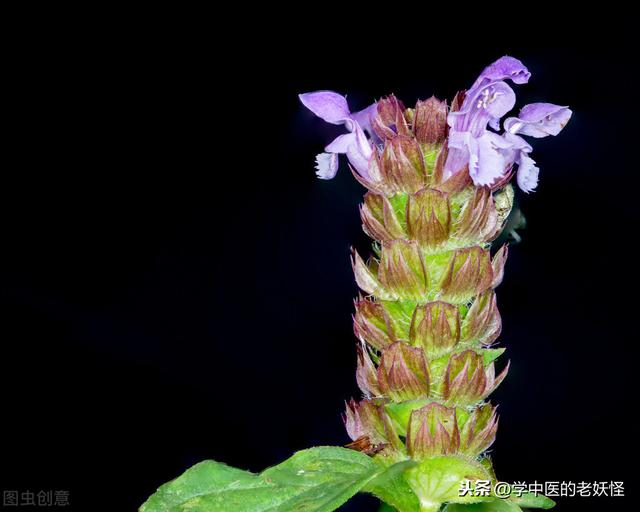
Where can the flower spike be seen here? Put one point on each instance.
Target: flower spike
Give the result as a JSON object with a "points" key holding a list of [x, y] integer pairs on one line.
{"points": [[439, 191]]}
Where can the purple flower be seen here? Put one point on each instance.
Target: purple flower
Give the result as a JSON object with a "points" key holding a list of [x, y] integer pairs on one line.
{"points": [[491, 156], [333, 108], [488, 156], [539, 120], [488, 99], [535, 120]]}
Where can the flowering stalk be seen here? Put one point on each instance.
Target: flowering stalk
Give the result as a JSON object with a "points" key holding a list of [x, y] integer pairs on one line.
{"points": [[427, 319], [438, 193]]}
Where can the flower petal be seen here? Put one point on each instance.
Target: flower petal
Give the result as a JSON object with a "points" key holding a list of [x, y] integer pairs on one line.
{"points": [[327, 105], [341, 143], [359, 153], [487, 159], [363, 118], [539, 120], [458, 154], [527, 176], [357, 148], [500, 99], [326, 165], [488, 105], [516, 143], [505, 67]]}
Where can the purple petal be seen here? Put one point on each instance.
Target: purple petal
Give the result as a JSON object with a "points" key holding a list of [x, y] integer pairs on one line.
{"points": [[357, 148], [516, 143], [458, 155], [487, 160], [489, 98], [327, 105], [359, 153], [527, 176], [539, 120], [498, 99], [341, 143], [488, 156], [326, 165], [494, 124], [488, 106], [505, 68], [363, 118]]}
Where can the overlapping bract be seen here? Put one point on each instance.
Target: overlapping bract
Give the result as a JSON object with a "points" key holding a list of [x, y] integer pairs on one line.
{"points": [[438, 194], [405, 272], [428, 315]]}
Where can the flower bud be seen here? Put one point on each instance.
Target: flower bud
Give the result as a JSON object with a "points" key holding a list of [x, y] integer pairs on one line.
{"points": [[366, 374], [429, 217], [450, 184], [466, 380], [366, 279], [352, 420], [403, 373], [435, 327], [494, 381], [402, 164], [369, 419], [402, 269], [469, 273], [497, 265], [430, 121], [482, 323], [371, 324], [433, 430], [373, 179], [458, 100], [390, 119], [379, 220], [479, 431], [479, 218]]}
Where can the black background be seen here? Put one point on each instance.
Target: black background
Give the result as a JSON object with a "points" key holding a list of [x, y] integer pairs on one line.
{"points": [[176, 282]]}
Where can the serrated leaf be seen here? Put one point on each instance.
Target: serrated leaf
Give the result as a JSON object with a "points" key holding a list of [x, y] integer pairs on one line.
{"points": [[314, 480]]}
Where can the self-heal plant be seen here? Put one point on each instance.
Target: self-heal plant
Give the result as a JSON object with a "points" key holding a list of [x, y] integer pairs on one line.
{"points": [[439, 193]]}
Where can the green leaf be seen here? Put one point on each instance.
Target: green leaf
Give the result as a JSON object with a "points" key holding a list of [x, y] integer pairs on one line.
{"points": [[531, 500], [392, 488], [314, 480], [207, 478]]}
